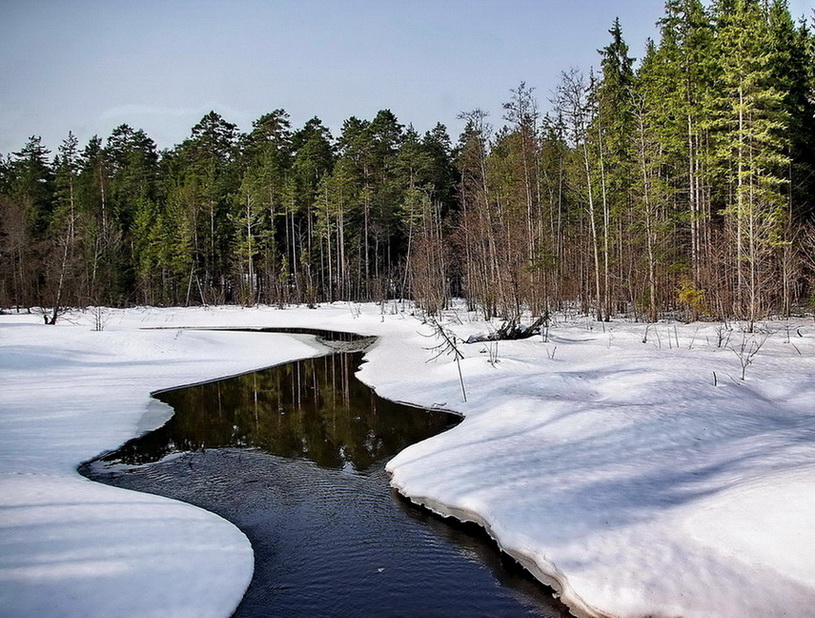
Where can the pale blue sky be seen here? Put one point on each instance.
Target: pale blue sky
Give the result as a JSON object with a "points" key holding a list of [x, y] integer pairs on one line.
{"points": [[89, 65]]}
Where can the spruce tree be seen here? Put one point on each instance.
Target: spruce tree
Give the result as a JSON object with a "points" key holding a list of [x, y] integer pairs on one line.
{"points": [[613, 129], [752, 153]]}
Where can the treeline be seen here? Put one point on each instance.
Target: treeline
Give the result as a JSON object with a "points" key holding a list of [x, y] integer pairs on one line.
{"points": [[685, 183]]}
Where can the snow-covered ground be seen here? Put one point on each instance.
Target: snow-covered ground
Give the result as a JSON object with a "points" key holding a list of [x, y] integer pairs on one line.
{"points": [[634, 470]]}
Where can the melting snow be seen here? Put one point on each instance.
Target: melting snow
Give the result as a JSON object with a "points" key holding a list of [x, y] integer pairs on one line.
{"points": [[634, 470]]}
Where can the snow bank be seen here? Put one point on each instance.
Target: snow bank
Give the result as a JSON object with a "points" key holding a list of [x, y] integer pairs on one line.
{"points": [[620, 471], [70, 547], [635, 470]]}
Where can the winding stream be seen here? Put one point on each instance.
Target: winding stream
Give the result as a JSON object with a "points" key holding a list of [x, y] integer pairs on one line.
{"points": [[294, 456]]}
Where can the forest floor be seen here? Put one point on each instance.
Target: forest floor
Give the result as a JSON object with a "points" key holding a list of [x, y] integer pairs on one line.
{"points": [[630, 465]]}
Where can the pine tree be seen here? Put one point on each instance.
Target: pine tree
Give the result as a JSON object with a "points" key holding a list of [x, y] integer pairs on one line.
{"points": [[62, 257], [683, 77], [751, 122], [33, 184], [131, 166], [652, 225], [28, 209], [791, 67], [312, 159], [613, 129], [385, 135], [263, 216], [202, 177]]}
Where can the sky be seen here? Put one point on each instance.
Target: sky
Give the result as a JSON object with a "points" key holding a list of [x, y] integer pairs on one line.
{"points": [[87, 66]]}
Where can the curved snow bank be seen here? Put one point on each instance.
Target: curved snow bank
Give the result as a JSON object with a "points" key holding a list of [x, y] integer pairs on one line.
{"points": [[71, 547]]}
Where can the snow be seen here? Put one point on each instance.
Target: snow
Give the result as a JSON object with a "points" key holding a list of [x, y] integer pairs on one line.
{"points": [[634, 470], [70, 547]]}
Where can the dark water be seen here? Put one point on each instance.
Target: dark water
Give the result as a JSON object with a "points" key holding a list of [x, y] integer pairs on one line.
{"points": [[294, 456]]}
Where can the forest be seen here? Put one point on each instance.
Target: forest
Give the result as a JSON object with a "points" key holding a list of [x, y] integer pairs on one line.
{"points": [[679, 184]]}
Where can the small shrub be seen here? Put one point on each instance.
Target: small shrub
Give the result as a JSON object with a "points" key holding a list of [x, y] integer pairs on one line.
{"points": [[692, 298]]}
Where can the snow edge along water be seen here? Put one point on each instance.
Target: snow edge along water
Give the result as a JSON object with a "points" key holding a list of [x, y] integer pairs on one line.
{"points": [[547, 574]]}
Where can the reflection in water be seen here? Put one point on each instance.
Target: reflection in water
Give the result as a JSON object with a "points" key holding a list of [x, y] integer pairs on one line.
{"points": [[326, 542], [312, 409]]}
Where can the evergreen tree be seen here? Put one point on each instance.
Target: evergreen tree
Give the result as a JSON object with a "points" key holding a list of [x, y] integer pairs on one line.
{"points": [[262, 211], [792, 70], [613, 129], [28, 208], [313, 158], [751, 123], [33, 184], [385, 136], [681, 84], [202, 177], [131, 166], [65, 236]]}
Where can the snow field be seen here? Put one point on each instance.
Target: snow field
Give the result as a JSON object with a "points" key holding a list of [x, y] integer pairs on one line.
{"points": [[620, 469], [650, 490]]}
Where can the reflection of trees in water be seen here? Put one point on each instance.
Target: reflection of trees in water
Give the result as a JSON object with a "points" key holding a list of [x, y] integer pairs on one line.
{"points": [[314, 409]]}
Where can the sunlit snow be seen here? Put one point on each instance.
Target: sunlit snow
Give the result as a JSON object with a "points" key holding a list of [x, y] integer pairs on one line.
{"points": [[634, 470]]}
